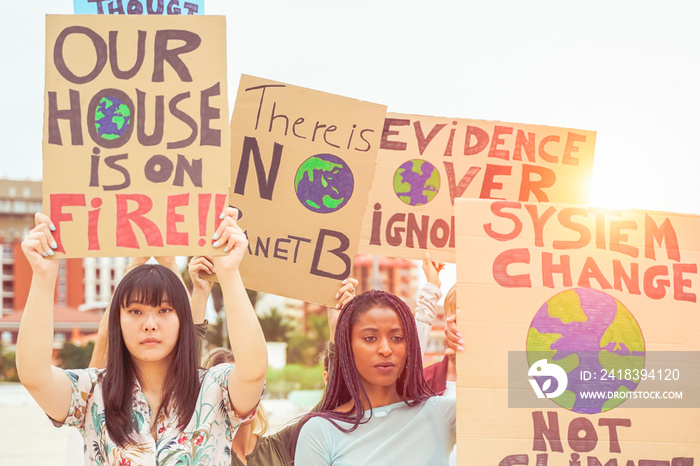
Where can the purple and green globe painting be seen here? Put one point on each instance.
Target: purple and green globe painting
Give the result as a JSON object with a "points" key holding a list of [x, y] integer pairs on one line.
{"points": [[416, 182], [323, 183], [112, 118], [589, 334]]}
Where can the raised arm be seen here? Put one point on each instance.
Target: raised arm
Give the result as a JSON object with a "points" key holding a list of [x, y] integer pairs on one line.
{"points": [[48, 385], [346, 292], [247, 379], [454, 342], [201, 287], [426, 305]]}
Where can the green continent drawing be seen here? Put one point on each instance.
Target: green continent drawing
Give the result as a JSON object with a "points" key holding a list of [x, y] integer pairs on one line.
{"points": [[416, 182], [112, 118], [588, 333], [323, 183]]}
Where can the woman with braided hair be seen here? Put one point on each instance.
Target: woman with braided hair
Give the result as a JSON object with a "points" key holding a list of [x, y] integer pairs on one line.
{"points": [[378, 408]]}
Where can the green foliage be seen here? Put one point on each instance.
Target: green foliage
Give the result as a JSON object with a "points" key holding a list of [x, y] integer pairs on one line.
{"points": [[215, 334], [307, 348], [75, 357], [9, 370], [293, 377], [318, 329], [301, 349], [275, 326], [252, 296]]}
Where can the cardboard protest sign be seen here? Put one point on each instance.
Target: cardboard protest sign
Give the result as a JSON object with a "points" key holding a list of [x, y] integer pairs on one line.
{"points": [[138, 7], [136, 138], [582, 335], [302, 165], [425, 163]]}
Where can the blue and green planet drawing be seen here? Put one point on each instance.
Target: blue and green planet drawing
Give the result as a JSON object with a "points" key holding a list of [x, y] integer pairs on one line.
{"points": [[112, 118], [324, 183], [416, 182], [587, 331]]}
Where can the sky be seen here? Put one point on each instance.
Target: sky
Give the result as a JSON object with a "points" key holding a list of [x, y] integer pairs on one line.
{"points": [[626, 69]]}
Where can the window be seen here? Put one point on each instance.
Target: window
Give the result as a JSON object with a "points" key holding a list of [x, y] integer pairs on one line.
{"points": [[13, 191], [59, 339], [19, 207], [62, 284]]}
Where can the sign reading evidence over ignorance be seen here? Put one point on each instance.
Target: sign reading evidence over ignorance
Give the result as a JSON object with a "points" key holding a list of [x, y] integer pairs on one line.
{"points": [[597, 312], [425, 163], [135, 147], [302, 166]]}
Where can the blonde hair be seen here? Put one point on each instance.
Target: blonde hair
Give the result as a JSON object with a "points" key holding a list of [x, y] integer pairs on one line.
{"points": [[222, 355], [451, 302]]}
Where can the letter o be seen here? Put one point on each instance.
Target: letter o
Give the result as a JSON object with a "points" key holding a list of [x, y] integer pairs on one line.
{"points": [[590, 439], [439, 239], [158, 169], [134, 7], [100, 50], [92, 129]]}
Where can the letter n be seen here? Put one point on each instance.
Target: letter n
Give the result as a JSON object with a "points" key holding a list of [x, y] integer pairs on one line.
{"points": [[265, 184]]}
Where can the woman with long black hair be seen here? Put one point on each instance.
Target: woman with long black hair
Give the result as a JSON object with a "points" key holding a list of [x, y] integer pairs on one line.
{"points": [[152, 404]]}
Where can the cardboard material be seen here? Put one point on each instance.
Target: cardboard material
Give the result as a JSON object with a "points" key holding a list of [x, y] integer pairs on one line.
{"points": [[136, 139], [302, 164], [549, 283], [138, 7], [425, 163]]}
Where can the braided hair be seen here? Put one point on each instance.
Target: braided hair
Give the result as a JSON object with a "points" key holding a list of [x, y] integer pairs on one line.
{"points": [[345, 383]]}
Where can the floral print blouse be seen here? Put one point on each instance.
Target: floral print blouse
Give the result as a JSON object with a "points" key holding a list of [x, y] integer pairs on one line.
{"points": [[205, 441]]}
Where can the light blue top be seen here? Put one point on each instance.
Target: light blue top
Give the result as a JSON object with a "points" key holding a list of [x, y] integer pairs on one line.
{"points": [[396, 434]]}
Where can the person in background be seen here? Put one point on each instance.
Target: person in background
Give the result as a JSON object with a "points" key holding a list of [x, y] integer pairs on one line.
{"points": [[151, 405], [378, 408], [251, 445], [436, 374]]}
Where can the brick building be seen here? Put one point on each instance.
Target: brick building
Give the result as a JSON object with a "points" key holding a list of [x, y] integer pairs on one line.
{"points": [[19, 200]]}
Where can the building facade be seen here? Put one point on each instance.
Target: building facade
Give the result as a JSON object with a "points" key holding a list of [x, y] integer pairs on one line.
{"points": [[19, 201]]}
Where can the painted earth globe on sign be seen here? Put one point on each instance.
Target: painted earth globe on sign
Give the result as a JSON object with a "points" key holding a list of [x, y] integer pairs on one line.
{"points": [[588, 333], [112, 118], [416, 182], [323, 183]]}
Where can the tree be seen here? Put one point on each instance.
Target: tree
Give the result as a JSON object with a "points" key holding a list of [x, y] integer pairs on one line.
{"points": [[275, 326], [215, 334], [75, 357], [10, 368], [2, 362], [307, 348]]}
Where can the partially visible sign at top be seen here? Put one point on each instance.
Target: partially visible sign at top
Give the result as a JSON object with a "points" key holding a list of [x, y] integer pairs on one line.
{"points": [[138, 7]]}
